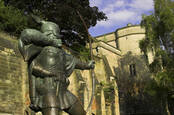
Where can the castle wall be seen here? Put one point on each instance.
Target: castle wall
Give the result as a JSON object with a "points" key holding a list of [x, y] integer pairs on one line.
{"points": [[108, 38], [129, 38], [106, 50], [130, 43], [13, 77]]}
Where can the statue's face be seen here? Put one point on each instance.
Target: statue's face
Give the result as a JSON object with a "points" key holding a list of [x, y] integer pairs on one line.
{"points": [[50, 27], [51, 30], [50, 34]]}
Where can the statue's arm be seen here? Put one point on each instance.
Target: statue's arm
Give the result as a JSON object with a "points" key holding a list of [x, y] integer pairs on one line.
{"points": [[32, 36], [82, 65]]}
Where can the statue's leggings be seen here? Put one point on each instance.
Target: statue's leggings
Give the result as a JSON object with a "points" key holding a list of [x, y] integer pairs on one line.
{"points": [[75, 109]]}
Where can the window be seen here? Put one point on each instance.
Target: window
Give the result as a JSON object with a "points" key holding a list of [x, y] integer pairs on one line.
{"points": [[117, 43], [132, 70], [97, 49]]}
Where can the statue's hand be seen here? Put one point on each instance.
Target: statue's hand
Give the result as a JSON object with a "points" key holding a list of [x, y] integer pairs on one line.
{"points": [[34, 108], [57, 43], [91, 64], [33, 105]]}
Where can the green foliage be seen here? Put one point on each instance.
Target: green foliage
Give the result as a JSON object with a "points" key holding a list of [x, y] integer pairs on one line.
{"points": [[160, 39], [11, 19], [159, 33], [64, 13], [150, 41], [154, 89], [132, 86], [15, 16], [109, 92], [132, 89], [108, 87], [81, 51]]}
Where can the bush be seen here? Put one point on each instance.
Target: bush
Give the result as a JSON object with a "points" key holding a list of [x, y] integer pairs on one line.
{"points": [[12, 20]]}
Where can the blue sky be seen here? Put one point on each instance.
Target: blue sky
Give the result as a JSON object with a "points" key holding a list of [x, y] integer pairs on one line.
{"points": [[119, 13]]}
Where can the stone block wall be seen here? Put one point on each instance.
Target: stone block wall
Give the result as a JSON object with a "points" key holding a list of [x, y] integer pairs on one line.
{"points": [[12, 77]]}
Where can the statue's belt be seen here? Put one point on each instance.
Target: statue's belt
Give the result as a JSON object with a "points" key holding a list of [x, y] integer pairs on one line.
{"points": [[62, 79], [59, 77]]}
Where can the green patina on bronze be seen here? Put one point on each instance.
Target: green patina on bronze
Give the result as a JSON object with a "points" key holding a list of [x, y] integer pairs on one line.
{"points": [[49, 67]]}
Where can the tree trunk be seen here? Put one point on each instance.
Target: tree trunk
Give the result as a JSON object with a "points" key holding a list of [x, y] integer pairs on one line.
{"points": [[170, 104], [167, 108]]}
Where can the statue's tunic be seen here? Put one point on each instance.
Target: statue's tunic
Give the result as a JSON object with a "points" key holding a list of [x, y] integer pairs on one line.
{"points": [[52, 67]]}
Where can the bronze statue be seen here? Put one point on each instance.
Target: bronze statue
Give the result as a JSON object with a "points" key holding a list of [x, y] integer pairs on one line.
{"points": [[49, 67]]}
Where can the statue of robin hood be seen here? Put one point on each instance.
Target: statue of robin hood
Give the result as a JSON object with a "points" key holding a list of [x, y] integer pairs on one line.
{"points": [[49, 67]]}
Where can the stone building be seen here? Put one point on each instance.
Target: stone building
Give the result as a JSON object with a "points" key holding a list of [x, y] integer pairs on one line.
{"points": [[126, 63], [109, 52]]}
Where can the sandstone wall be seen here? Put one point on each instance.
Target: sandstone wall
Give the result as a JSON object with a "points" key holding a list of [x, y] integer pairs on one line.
{"points": [[13, 77]]}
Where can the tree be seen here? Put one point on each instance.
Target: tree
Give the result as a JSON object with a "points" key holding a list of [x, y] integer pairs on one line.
{"points": [[12, 19], [160, 40], [131, 86], [64, 13]]}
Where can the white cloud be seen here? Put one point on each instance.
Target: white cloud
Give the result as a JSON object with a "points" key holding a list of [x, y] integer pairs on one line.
{"points": [[142, 4], [109, 8], [118, 17], [95, 2], [121, 12]]}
